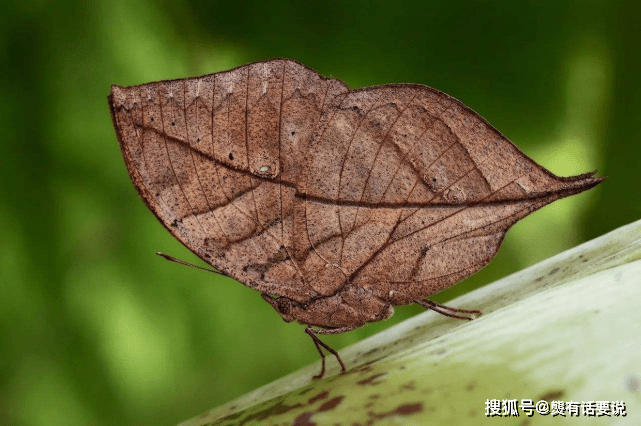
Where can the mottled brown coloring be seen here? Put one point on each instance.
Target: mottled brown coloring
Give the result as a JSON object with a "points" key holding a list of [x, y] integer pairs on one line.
{"points": [[336, 205]]}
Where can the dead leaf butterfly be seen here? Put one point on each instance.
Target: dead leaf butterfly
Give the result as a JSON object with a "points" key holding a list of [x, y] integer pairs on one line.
{"points": [[335, 204]]}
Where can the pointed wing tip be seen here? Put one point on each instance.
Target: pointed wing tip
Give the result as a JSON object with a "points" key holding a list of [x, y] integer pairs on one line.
{"points": [[583, 182], [591, 182], [588, 179], [578, 177], [114, 91]]}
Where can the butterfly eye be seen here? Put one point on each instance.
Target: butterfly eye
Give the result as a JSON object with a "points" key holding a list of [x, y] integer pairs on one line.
{"points": [[284, 306]]}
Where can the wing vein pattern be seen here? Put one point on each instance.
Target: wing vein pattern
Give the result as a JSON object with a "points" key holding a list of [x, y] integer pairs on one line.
{"points": [[299, 187]]}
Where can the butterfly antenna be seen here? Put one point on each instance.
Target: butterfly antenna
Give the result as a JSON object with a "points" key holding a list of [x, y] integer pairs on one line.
{"points": [[182, 262]]}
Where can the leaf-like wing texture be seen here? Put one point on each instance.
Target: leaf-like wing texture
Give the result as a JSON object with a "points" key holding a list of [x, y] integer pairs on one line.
{"points": [[297, 186]]}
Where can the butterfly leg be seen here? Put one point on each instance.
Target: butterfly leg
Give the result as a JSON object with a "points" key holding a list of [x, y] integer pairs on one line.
{"points": [[450, 312], [319, 343]]}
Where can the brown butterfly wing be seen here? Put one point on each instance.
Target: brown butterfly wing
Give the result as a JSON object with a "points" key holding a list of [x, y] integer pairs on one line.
{"points": [[409, 190], [295, 186], [216, 158]]}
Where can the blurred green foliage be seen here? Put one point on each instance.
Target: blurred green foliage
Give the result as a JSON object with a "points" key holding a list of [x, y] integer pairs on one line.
{"points": [[95, 329]]}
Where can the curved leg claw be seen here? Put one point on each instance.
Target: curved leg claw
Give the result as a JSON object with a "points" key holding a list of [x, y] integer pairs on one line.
{"points": [[319, 343]]}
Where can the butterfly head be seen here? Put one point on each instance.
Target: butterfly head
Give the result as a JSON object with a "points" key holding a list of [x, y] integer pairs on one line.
{"points": [[284, 306]]}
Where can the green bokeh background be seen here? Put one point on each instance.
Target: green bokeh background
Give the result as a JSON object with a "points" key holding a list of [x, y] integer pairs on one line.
{"points": [[97, 330]]}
